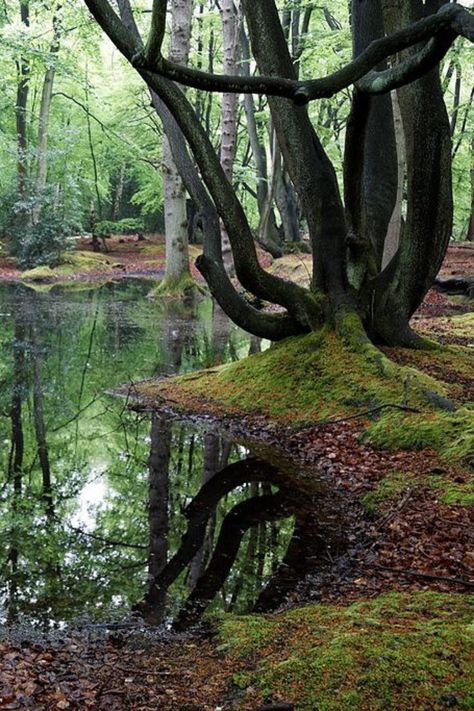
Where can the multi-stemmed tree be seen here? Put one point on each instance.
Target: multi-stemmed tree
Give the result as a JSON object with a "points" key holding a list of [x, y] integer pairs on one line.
{"points": [[397, 47]]}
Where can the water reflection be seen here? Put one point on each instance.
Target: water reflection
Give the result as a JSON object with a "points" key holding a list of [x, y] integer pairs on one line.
{"points": [[104, 510]]}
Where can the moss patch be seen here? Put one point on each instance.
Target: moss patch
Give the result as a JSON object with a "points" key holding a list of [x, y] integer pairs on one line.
{"points": [[182, 287], [303, 379], [461, 326], [450, 492], [396, 482], [392, 485], [73, 264], [396, 652], [315, 378], [451, 434]]}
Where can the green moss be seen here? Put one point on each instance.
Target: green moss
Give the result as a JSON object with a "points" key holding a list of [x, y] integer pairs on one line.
{"points": [[451, 434], [461, 326], [319, 377], [73, 264], [397, 651], [453, 492], [392, 485], [305, 379], [184, 286]]}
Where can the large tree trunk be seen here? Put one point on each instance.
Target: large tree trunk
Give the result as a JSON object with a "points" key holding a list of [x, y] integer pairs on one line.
{"points": [[384, 301], [402, 286], [370, 166], [23, 82], [176, 219], [307, 163]]}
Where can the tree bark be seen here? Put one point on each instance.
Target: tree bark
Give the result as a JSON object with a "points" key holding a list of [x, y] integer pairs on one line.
{"points": [[402, 286], [23, 84], [158, 518], [43, 125], [231, 50], [176, 219]]}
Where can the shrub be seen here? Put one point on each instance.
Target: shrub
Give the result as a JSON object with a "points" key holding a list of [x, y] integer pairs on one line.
{"points": [[129, 225]]}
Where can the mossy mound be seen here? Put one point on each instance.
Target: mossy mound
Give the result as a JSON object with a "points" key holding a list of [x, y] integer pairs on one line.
{"points": [[397, 652], [390, 487], [316, 378], [73, 264], [183, 287]]}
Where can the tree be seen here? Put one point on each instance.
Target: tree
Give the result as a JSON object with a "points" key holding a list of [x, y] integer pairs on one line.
{"points": [[349, 288], [176, 222]]}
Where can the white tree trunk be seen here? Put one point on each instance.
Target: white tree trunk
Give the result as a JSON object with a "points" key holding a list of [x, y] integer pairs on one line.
{"points": [[230, 28], [43, 126], [176, 223]]}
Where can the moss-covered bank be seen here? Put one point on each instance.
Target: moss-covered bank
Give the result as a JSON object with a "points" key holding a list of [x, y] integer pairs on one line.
{"points": [[397, 652], [73, 264], [316, 378]]}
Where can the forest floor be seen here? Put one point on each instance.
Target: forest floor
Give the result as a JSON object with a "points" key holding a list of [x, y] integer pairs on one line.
{"points": [[395, 630]]}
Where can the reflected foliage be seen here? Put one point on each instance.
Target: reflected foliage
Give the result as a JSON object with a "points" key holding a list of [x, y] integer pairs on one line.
{"points": [[105, 510]]}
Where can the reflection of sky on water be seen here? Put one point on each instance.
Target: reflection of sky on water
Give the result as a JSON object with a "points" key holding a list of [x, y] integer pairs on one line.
{"points": [[89, 501]]}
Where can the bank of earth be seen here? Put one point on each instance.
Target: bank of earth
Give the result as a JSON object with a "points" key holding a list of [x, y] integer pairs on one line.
{"points": [[389, 625]]}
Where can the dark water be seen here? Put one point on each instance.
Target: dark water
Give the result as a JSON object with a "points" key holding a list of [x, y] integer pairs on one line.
{"points": [[105, 511]]}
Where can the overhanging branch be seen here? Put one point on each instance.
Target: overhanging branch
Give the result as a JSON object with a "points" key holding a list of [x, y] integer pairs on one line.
{"points": [[448, 23]]}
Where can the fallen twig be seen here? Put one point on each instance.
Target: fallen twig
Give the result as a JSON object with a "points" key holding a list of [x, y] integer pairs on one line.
{"points": [[364, 413], [427, 576]]}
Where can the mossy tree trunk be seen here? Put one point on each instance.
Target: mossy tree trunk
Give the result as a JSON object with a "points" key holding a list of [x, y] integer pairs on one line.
{"points": [[398, 46]]}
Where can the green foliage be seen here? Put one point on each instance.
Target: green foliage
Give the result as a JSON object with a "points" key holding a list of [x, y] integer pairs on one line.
{"points": [[43, 241], [126, 226], [396, 652]]}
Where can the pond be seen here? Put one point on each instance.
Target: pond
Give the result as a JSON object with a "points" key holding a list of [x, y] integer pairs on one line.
{"points": [[105, 511]]}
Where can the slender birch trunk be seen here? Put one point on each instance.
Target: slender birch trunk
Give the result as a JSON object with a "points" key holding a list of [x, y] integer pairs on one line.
{"points": [[230, 28], [176, 221]]}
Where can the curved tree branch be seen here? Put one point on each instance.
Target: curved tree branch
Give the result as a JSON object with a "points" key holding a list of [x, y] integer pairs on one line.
{"points": [[157, 30], [451, 21], [273, 327], [243, 516], [410, 70]]}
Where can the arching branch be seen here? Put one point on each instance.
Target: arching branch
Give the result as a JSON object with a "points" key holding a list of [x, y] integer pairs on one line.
{"points": [[198, 514], [451, 21], [243, 516], [210, 264], [157, 30]]}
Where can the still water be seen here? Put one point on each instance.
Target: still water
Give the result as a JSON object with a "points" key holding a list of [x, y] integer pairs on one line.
{"points": [[106, 512]]}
